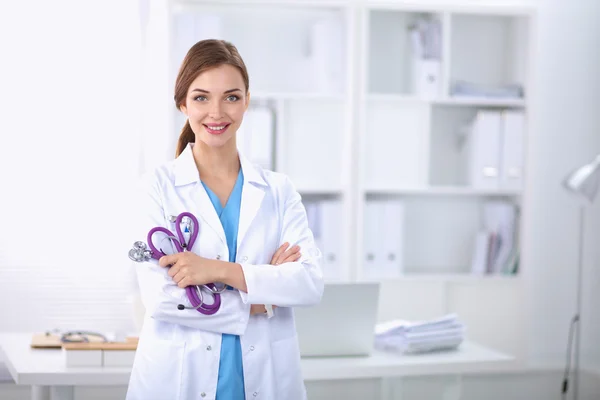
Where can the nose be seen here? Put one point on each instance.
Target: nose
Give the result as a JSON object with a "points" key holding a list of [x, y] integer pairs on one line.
{"points": [[216, 110]]}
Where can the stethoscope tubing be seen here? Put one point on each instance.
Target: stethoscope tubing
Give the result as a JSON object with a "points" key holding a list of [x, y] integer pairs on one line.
{"points": [[194, 293]]}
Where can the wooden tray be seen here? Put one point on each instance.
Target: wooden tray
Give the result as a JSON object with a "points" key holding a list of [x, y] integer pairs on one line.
{"points": [[52, 341], [100, 346]]}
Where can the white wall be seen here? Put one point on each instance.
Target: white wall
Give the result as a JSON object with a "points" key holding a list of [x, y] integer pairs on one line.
{"points": [[68, 126], [566, 134]]}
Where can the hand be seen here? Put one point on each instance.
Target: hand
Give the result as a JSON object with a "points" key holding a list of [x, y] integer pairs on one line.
{"points": [[189, 269], [258, 309], [282, 255]]}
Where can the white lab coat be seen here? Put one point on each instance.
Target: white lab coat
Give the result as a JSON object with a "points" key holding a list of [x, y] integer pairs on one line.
{"points": [[178, 352]]}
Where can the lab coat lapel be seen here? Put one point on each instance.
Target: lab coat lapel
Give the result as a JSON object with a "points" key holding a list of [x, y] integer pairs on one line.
{"points": [[186, 173], [208, 214], [252, 197]]}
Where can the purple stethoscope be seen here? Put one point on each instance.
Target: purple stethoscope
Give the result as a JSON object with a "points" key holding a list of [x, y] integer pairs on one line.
{"points": [[141, 253]]}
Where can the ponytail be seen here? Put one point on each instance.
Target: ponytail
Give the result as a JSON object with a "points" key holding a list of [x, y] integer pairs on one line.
{"points": [[186, 136]]}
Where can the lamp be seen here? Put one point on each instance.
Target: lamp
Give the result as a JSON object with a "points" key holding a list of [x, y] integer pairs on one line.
{"points": [[584, 182]]}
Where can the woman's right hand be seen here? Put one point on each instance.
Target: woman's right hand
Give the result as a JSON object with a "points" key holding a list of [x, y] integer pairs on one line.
{"points": [[283, 254]]}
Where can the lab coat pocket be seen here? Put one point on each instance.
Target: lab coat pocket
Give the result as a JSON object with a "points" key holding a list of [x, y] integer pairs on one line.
{"points": [[286, 369], [157, 371]]}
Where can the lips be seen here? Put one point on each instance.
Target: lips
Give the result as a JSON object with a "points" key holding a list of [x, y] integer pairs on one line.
{"points": [[216, 129]]}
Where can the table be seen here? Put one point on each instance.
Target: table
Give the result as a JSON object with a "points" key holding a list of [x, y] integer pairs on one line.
{"points": [[45, 371]]}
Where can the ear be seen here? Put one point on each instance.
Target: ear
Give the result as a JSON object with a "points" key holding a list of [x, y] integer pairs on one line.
{"points": [[183, 109], [247, 101]]}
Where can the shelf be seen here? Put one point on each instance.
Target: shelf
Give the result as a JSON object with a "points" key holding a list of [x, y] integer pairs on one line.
{"points": [[316, 191], [449, 101], [480, 101], [457, 278], [442, 191], [296, 96]]}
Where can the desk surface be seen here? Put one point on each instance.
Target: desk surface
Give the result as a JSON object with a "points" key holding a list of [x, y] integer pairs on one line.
{"points": [[29, 366]]}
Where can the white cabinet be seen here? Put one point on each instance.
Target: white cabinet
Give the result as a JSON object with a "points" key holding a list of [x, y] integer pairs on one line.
{"points": [[446, 151], [374, 102], [342, 86]]}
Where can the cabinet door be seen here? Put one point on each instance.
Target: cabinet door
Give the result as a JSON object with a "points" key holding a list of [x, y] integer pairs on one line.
{"points": [[395, 143], [313, 134]]}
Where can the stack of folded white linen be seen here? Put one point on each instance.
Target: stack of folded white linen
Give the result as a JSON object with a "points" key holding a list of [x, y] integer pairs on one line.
{"points": [[443, 333]]}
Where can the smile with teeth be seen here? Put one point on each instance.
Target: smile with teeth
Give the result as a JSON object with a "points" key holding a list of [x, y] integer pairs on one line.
{"points": [[216, 129]]}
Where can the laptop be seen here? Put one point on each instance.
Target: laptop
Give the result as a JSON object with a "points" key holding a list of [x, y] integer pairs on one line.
{"points": [[342, 324]]}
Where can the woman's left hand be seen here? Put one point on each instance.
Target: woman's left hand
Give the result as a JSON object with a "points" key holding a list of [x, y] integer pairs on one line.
{"points": [[189, 269]]}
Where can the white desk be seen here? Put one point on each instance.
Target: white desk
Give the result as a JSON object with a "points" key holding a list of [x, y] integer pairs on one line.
{"points": [[45, 371]]}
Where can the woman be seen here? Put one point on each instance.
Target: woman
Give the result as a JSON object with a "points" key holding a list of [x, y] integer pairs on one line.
{"points": [[252, 225]]}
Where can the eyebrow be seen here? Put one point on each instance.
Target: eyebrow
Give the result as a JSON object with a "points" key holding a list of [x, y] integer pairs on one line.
{"points": [[206, 91]]}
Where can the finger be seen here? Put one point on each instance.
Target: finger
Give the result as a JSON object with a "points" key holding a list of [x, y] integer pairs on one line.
{"points": [[165, 261], [289, 254], [292, 258], [173, 271], [278, 252], [177, 276], [185, 282]]}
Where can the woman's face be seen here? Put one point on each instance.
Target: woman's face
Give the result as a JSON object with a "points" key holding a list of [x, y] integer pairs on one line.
{"points": [[215, 104]]}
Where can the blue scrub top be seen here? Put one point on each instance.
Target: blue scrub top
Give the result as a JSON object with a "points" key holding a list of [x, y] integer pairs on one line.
{"points": [[230, 384]]}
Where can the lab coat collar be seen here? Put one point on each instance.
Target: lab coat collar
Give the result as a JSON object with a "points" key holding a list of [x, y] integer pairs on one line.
{"points": [[186, 171]]}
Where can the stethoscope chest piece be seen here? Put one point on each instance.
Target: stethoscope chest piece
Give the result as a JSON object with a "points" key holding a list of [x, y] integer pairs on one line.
{"points": [[140, 252]]}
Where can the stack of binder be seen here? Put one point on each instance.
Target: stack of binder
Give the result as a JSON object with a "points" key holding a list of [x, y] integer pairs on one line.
{"points": [[384, 239], [445, 333], [494, 150]]}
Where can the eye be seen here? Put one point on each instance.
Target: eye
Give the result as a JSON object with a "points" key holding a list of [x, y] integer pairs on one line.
{"points": [[200, 98], [233, 97]]}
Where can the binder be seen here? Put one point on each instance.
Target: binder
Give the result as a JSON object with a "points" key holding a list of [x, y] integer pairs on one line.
{"points": [[513, 124], [392, 219], [313, 215], [372, 251], [330, 212], [483, 150]]}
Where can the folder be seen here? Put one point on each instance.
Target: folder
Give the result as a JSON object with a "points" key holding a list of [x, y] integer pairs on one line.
{"points": [[331, 238], [479, 261], [483, 150], [513, 127], [496, 247], [500, 218], [371, 233], [392, 219], [313, 215]]}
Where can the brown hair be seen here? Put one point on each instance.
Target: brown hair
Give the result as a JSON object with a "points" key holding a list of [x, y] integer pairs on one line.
{"points": [[204, 55]]}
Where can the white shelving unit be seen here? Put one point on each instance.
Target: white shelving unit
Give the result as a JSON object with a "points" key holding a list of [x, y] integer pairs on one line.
{"points": [[351, 128]]}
